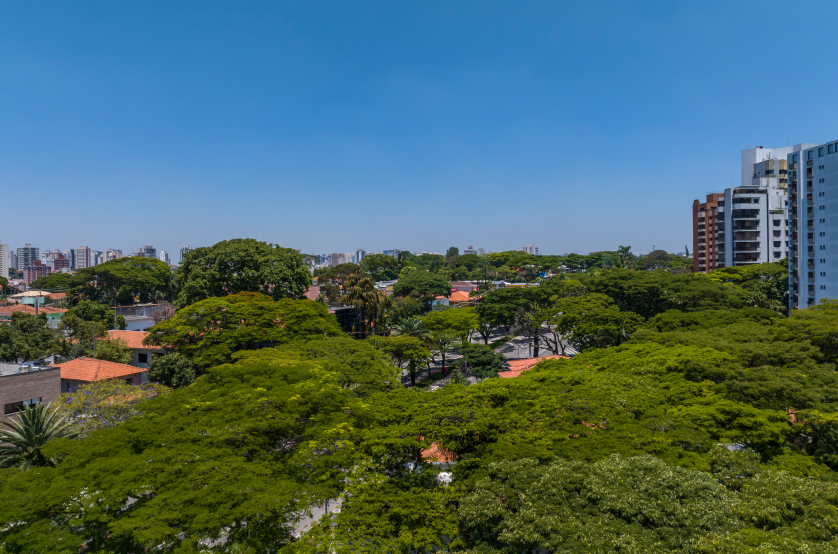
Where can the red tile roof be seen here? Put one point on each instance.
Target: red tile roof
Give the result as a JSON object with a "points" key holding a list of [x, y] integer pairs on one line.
{"points": [[517, 367], [133, 339], [26, 308], [89, 369]]}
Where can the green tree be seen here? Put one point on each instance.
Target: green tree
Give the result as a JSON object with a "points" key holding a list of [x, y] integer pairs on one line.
{"points": [[444, 327], [370, 302], [498, 308], [483, 362], [27, 337], [241, 265], [112, 350], [425, 284], [104, 404], [330, 279], [209, 331], [22, 442], [404, 349], [406, 307], [381, 267], [592, 320], [124, 281], [55, 282], [451, 252], [90, 310], [172, 370]]}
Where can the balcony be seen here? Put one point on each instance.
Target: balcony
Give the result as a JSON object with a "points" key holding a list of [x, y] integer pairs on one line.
{"points": [[810, 163], [747, 247], [810, 226], [811, 279], [810, 187], [810, 265], [745, 235], [810, 213]]}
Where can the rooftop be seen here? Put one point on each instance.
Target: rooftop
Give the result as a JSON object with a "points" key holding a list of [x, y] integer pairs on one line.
{"points": [[89, 369], [134, 339]]}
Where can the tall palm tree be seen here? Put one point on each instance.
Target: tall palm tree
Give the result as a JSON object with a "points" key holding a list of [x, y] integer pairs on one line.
{"points": [[360, 292], [21, 441]]}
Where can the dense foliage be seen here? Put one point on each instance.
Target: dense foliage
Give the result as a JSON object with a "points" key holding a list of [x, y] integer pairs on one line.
{"points": [[210, 331], [698, 418], [241, 265]]}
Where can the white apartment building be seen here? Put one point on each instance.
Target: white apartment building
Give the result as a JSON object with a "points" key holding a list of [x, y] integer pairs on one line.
{"points": [[184, 251], [813, 222], [359, 255], [83, 257], [530, 249], [752, 218], [112, 254], [147, 252], [163, 256], [4, 260]]}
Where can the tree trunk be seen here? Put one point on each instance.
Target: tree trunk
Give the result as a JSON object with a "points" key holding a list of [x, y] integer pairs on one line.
{"points": [[411, 367], [535, 342], [444, 369]]}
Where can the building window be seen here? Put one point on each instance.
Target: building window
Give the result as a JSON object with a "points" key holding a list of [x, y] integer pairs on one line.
{"points": [[17, 407], [811, 154], [130, 381], [142, 358], [820, 152], [831, 148]]}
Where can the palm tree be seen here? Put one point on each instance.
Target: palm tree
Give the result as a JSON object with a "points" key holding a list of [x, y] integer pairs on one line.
{"points": [[411, 326], [21, 441], [360, 292]]}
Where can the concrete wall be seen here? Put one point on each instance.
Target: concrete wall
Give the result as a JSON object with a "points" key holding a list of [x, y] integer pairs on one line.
{"points": [[44, 384]]}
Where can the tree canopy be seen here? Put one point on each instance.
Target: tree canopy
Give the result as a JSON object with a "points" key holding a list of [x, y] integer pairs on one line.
{"points": [[210, 331], [241, 265]]}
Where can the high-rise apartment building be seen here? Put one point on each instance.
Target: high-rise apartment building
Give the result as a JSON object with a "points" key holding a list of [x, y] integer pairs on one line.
{"points": [[813, 224], [706, 233], [530, 249], [27, 256], [112, 254], [360, 254], [350, 257], [752, 217], [394, 253], [163, 256], [184, 251], [147, 252], [4, 260], [83, 259], [12, 258]]}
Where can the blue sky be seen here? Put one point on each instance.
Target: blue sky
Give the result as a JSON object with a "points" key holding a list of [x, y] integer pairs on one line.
{"points": [[577, 126]]}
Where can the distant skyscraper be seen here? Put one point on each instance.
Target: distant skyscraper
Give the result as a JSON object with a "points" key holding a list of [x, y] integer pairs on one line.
{"points": [[481, 252], [71, 255], [112, 254], [183, 251], [4, 260], [530, 249], [359, 255], [12, 259], [83, 257], [334, 259], [163, 256], [350, 257], [147, 252], [394, 253], [27, 256], [469, 250]]}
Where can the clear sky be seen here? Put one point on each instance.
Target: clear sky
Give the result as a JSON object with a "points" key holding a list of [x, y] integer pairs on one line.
{"points": [[332, 126]]}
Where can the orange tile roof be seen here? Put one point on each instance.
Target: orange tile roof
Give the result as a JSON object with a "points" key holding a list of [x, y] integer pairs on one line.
{"points": [[436, 454], [26, 308], [517, 367], [133, 339], [459, 296], [89, 369]]}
